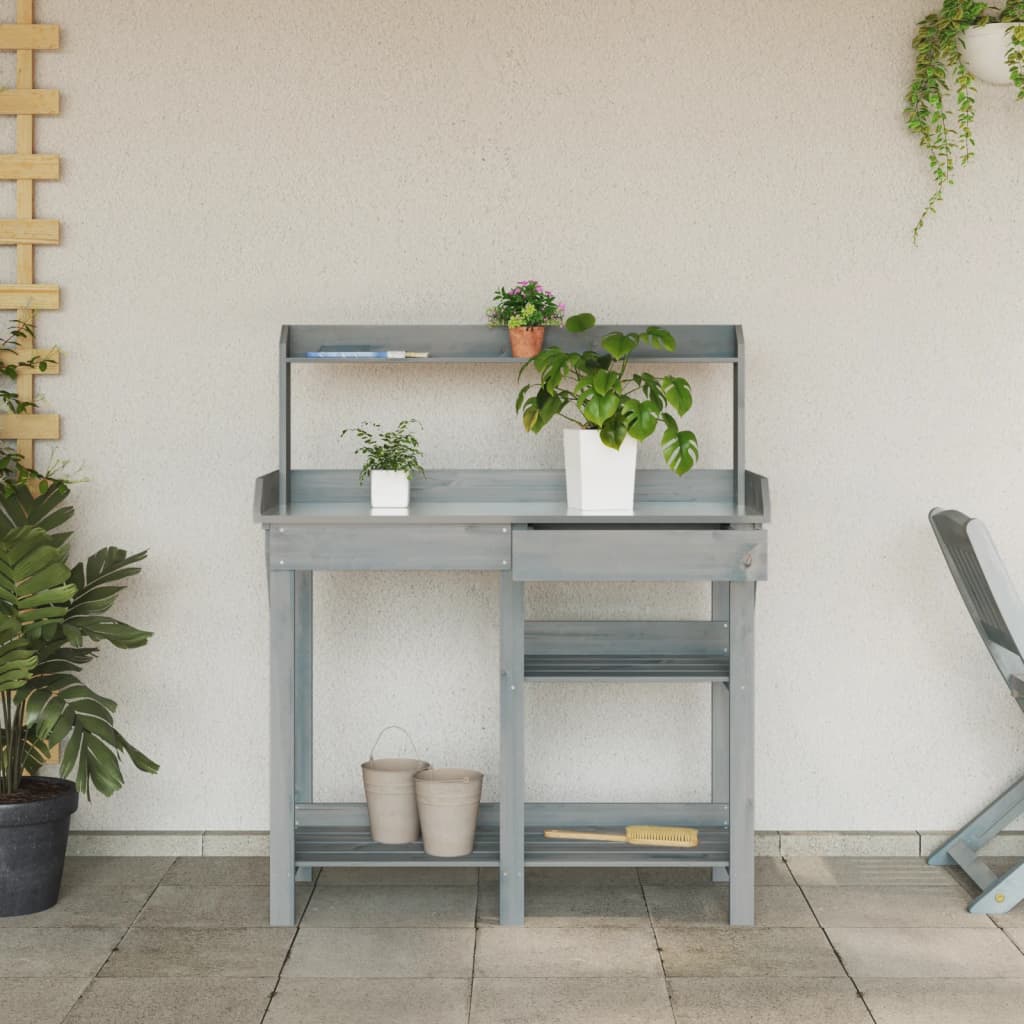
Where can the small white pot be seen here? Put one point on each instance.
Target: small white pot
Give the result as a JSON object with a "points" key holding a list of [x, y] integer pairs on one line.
{"points": [[598, 478], [985, 49], [389, 488]]}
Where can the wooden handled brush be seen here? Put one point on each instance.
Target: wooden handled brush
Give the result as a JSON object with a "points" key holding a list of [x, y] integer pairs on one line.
{"points": [[635, 835]]}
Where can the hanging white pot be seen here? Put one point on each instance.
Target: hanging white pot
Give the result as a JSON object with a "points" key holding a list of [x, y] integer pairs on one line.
{"points": [[598, 478], [389, 488], [985, 49]]}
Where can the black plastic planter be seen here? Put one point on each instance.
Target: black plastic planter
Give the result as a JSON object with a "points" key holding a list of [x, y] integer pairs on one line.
{"points": [[33, 841]]}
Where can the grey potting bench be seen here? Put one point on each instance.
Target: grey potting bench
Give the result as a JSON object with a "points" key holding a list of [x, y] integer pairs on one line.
{"points": [[707, 525]]}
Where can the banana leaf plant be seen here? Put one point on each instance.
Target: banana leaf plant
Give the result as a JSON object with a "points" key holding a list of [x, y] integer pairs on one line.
{"points": [[52, 617], [595, 391]]}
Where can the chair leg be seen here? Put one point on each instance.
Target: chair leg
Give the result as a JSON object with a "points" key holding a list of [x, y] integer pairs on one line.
{"points": [[1003, 895], [985, 826]]}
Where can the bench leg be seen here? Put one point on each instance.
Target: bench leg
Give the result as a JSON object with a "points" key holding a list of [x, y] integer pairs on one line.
{"points": [[741, 753], [1003, 895], [720, 722], [512, 872], [304, 698]]}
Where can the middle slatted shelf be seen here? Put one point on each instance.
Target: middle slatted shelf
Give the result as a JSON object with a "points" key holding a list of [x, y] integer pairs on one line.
{"points": [[691, 651]]}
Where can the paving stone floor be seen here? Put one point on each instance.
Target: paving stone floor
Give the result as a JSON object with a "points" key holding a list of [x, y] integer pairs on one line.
{"points": [[839, 941]]}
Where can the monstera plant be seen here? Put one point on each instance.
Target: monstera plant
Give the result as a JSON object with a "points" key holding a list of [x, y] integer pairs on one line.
{"points": [[53, 617]]}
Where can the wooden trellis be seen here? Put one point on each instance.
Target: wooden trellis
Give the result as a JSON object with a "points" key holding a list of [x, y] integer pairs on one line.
{"points": [[25, 167]]}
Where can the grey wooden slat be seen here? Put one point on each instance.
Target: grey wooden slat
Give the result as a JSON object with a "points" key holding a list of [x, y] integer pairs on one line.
{"points": [[739, 404], [396, 546], [656, 554], [468, 342], [284, 424], [512, 782], [741, 754], [353, 847], [554, 668], [282, 748], [542, 815], [597, 637]]}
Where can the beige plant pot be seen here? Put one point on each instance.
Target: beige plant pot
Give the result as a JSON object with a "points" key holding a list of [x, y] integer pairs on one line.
{"points": [[448, 800]]}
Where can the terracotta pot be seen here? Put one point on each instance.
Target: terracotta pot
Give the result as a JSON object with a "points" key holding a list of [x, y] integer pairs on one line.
{"points": [[526, 341]]}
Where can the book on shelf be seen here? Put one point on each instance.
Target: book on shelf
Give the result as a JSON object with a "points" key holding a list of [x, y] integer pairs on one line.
{"points": [[346, 352]]}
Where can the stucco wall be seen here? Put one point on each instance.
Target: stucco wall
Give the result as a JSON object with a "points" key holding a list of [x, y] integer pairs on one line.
{"points": [[231, 166]]}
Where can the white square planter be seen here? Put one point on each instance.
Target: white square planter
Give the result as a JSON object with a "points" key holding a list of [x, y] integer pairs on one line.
{"points": [[389, 488], [598, 478]]}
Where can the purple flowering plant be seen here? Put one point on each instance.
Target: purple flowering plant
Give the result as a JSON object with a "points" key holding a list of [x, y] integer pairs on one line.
{"points": [[525, 304]]}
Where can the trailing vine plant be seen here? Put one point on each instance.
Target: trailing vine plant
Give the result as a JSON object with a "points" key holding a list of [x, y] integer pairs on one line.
{"points": [[13, 472], [944, 126]]}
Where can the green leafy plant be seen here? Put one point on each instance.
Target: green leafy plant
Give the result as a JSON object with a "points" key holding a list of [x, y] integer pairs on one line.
{"points": [[525, 304], [52, 616], [601, 394], [940, 102], [13, 471], [396, 450]]}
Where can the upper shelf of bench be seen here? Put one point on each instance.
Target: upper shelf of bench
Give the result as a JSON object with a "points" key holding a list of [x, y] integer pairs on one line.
{"points": [[701, 343]]}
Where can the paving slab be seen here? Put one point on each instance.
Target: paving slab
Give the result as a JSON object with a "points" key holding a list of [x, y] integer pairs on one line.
{"points": [[571, 876], [698, 906], [370, 1001], [219, 871], [39, 1000], [381, 906], [580, 952], [147, 871], [170, 1001], [945, 1000], [747, 953], [876, 871], [398, 876], [55, 952], [91, 906], [570, 1001], [917, 906], [767, 871], [382, 953], [927, 953], [200, 952], [767, 1001], [550, 904], [214, 906]]}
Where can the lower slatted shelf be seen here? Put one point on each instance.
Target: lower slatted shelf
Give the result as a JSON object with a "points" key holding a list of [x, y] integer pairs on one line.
{"points": [[325, 846]]}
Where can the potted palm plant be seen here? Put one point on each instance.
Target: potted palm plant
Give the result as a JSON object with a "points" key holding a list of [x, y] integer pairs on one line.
{"points": [[52, 617], [954, 46], [611, 410]]}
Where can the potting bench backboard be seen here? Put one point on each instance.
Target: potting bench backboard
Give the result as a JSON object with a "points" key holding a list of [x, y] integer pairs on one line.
{"points": [[707, 525]]}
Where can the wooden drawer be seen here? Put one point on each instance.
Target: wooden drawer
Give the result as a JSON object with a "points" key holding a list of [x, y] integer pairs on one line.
{"points": [[638, 553], [389, 546]]}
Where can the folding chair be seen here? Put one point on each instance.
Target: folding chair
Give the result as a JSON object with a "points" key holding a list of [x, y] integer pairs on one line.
{"points": [[997, 611]]}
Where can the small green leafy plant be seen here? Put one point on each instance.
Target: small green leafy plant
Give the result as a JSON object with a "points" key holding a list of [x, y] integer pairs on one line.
{"points": [[525, 304], [944, 128], [396, 450], [52, 616], [13, 472], [604, 396]]}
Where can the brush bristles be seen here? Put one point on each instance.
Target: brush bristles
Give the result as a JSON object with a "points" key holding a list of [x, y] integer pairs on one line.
{"points": [[661, 835]]}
